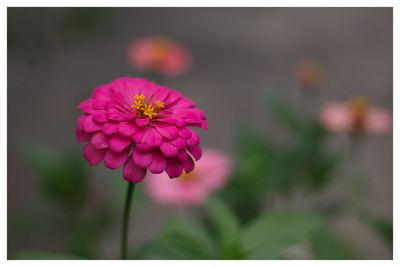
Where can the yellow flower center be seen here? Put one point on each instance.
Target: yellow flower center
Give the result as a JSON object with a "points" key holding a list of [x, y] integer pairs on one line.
{"points": [[162, 48], [143, 107], [187, 177], [359, 108]]}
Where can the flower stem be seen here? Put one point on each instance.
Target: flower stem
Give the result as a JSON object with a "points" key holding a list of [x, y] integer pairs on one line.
{"points": [[125, 220]]}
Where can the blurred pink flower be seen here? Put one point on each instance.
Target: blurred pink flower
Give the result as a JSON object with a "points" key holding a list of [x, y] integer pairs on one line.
{"points": [[355, 115], [141, 125], [159, 55], [210, 174], [308, 74]]}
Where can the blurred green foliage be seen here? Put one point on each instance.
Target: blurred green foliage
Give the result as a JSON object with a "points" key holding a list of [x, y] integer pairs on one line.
{"points": [[271, 234], [64, 180], [326, 245], [267, 237], [63, 177], [43, 255], [265, 165], [383, 227]]}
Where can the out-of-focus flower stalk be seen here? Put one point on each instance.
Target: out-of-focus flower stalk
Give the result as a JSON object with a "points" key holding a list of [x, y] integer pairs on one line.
{"points": [[125, 220]]}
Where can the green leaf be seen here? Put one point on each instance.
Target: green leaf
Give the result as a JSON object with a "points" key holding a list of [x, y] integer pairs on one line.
{"points": [[40, 156], [226, 226], [383, 227], [270, 235], [326, 245], [253, 177], [42, 255], [284, 113], [63, 177], [182, 239]]}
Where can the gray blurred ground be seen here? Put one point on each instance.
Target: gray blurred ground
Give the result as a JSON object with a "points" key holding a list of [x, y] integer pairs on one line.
{"points": [[240, 54]]}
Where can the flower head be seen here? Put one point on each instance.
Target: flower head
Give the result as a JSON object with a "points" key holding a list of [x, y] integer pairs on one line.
{"points": [[190, 189], [355, 115], [159, 55], [140, 125], [308, 74]]}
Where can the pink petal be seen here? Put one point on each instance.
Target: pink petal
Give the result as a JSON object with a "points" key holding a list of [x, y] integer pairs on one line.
{"points": [[142, 122], [86, 106], [89, 126], [99, 141], [204, 125], [182, 155], [195, 151], [185, 133], [115, 115], [118, 143], [184, 103], [173, 97], [143, 147], [152, 138], [139, 136], [378, 121], [99, 117], [109, 128], [81, 135], [166, 130], [174, 121], [132, 172], [188, 164], [214, 168], [126, 129], [93, 155], [115, 160], [142, 158], [158, 164], [336, 117], [194, 140], [161, 94], [174, 168], [102, 92], [168, 149], [99, 104], [180, 143]]}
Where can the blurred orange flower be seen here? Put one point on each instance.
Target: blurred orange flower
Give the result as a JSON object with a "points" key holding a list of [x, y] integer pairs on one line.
{"points": [[355, 116], [159, 55], [309, 74]]}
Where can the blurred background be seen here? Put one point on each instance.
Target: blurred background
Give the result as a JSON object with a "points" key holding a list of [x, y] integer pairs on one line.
{"points": [[244, 62]]}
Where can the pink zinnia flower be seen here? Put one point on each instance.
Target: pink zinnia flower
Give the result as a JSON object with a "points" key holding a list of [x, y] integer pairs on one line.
{"points": [[355, 116], [140, 125], [159, 55], [210, 174]]}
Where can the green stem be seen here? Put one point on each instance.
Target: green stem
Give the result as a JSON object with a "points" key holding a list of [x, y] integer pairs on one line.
{"points": [[125, 220]]}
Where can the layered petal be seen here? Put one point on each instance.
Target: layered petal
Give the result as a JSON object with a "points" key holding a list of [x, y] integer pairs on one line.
{"points": [[158, 163], [142, 158], [114, 160], [132, 172], [93, 155], [174, 168], [118, 143]]}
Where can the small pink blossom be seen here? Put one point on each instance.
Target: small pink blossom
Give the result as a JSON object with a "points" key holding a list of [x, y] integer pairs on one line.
{"points": [[210, 174], [159, 55], [355, 115], [142, 126]]}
